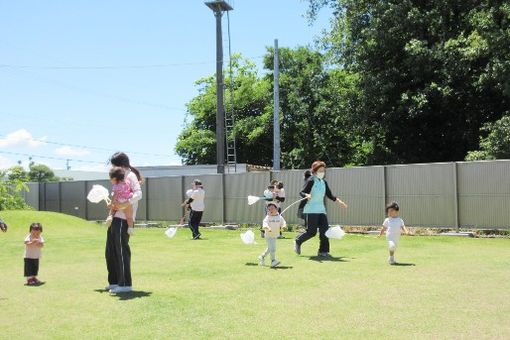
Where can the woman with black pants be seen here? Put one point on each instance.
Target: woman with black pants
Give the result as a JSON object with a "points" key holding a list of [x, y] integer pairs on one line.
{"points": [[315, 191], [118, 252]]}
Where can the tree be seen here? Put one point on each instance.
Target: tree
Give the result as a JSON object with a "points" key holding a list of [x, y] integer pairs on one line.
{"points": [[431, 72], [11, 188], [315, 104], [496, 143], [315, 113], [41, 173], [251, 96], [17, 173]]}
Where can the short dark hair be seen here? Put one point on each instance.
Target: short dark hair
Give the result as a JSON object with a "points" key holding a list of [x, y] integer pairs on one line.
{"points": [[307, 174], [392, 205], [117, 173], [35, 226], [273, 204], [197, 182], [280, 185]]}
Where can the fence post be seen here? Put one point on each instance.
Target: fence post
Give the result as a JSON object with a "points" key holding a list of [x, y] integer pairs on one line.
{"points": [[384, 186], [43, 185], [455, 196], [147, 193], [183, 195], [86, 208], [223, 205], [59, 191]]}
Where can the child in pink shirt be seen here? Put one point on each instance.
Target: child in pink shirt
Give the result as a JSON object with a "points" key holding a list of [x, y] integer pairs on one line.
{"points": [[122, 193]]}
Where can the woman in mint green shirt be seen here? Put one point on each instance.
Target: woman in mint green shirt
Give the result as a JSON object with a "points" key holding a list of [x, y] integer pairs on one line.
{"points": [[316, 189]]}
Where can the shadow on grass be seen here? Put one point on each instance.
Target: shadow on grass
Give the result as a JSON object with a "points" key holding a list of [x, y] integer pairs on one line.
{"points": [[328, 259], [282, 267], [398, 264], [35, 284], [254, 264], [135, 294]]}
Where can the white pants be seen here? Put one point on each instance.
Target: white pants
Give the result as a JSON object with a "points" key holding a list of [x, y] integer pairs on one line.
{"points": [[271, 247], [392, 241]]}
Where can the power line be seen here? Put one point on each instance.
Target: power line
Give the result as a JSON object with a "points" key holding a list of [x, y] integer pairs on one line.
{"points": [[50, 157], [111, 67], [92, 147]]}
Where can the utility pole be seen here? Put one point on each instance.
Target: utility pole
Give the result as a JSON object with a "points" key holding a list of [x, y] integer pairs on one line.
{"points": [[218, 7], [276, 120]]}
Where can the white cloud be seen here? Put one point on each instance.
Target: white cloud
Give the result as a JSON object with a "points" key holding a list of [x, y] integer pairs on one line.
{"points": [[21, 137], [93, 168], [5, 163], [70, 151]]}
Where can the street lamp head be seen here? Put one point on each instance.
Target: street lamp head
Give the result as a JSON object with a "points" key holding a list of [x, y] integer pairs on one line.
{"points": [[219, 6]]}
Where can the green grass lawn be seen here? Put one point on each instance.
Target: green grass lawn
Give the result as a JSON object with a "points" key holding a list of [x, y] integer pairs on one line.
{"points": [[456, 287]]}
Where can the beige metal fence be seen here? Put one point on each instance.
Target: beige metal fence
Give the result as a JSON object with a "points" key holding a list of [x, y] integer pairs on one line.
{"points": [[461, 194]]}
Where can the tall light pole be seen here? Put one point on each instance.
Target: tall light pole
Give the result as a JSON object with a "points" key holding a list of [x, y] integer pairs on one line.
{"points": [[218, 8], [276, 117]]}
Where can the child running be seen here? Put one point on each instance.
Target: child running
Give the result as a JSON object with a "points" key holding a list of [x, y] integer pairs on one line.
{"points": [[392, 225], [33, 244], [273, 223], [122, 193]]}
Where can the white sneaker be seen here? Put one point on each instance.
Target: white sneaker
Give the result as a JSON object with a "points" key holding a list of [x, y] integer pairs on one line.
{"points": [[110, 287], [274, 263], [391, 260], [261, 261], [121, 289]]}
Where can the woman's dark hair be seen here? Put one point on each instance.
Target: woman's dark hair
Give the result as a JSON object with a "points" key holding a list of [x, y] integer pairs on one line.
{"points": [[392, 205], [307, 174], [122, 160], [280, 185], [35, 226], [118, 173]]}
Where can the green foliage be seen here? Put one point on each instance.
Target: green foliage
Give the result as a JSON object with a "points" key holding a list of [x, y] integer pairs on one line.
{"points": [[17, 173], [12, 184], [41, 173], [251, 96], [496, 143], [315, 103], [431, 73], [395, 82]]}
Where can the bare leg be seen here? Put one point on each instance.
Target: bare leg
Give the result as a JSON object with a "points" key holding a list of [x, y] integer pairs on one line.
{"points": [[128, 211]]}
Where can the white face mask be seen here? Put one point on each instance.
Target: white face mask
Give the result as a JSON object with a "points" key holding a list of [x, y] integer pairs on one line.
{"points": [[321, 175]]}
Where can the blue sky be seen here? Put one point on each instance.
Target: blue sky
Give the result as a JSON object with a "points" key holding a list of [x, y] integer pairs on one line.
{"points": [[85, 73]]}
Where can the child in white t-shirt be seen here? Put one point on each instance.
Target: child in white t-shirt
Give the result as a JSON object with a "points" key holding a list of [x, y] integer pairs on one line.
{"points": [[273, 223], [33, 244], [392, 225]]}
